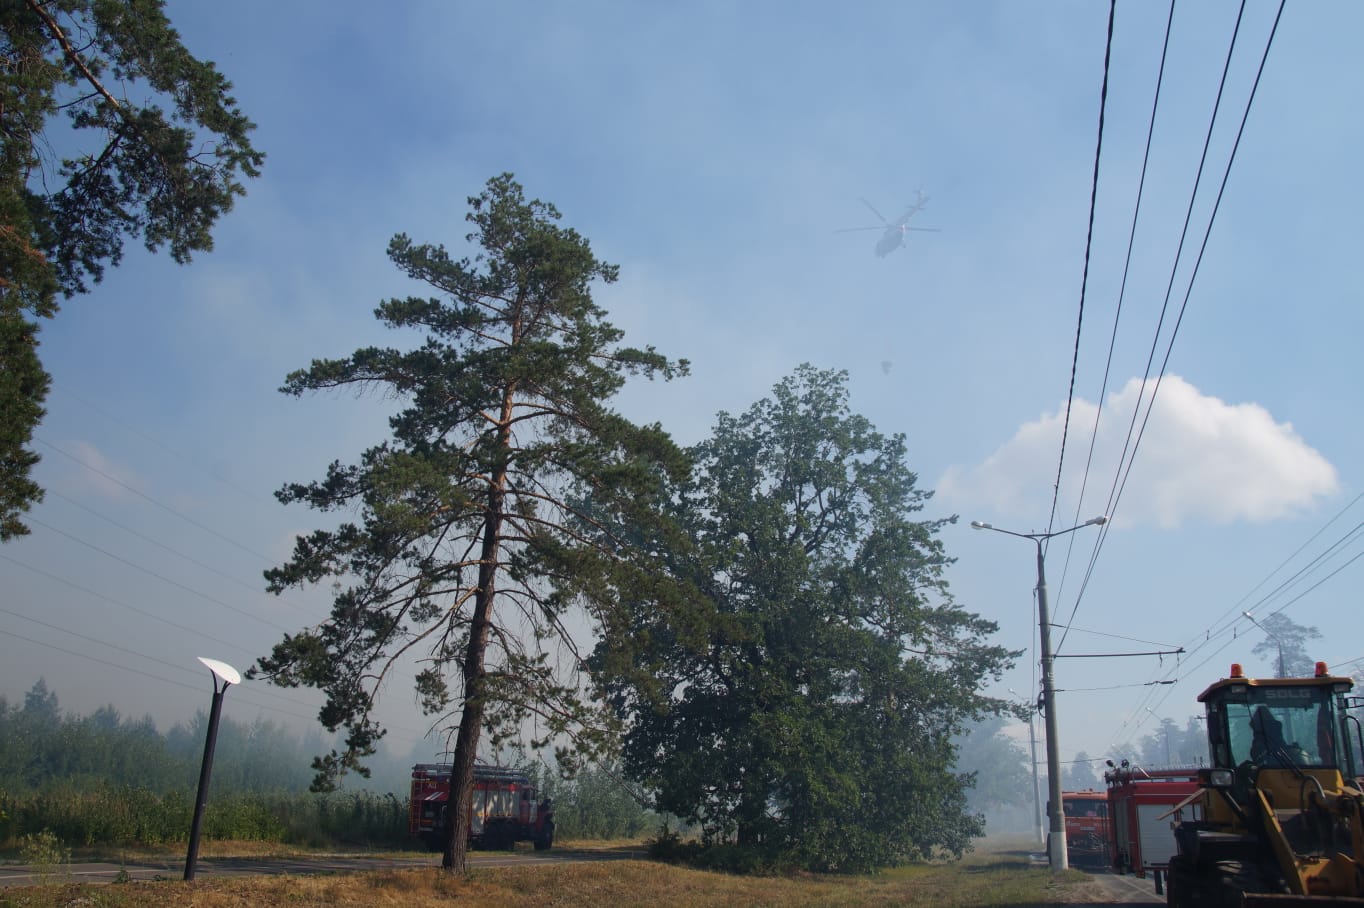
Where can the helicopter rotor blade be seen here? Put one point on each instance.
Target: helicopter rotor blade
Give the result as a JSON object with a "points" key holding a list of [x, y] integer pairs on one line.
{"points": [[855, 229], [926, 229], [878, 214]]}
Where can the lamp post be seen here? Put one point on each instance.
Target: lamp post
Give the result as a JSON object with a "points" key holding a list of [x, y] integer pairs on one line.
{"points": [[1036, 787], [228, 676], [1055, 808], [1274, 637]]}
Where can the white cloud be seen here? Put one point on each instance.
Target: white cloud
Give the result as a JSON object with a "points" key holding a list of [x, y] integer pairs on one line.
{"points": [[1199, 458]]}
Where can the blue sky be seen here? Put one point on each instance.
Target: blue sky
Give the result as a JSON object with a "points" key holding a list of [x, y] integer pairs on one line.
{"points": [[712, 150]]}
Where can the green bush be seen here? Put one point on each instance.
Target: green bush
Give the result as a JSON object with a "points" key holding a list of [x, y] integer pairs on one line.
{"points": [[44, 852]]}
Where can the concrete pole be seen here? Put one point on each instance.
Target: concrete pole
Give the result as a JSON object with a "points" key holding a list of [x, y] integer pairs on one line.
{"points": [[1055, 806]]}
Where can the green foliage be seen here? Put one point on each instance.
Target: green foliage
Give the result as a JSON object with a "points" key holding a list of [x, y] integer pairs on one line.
{"points": [[997, 765], [109, 815], [467, 552], [161, 172], [44, 852], [1079, 774], [595, 804], [1171, 745], [803, 701], [1285, 637], [41, 748], [104, 780]]}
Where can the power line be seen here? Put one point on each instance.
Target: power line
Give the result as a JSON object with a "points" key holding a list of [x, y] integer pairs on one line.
{"points": [[179, 554], [128, 427], [1084, 276], [1117, 314], [198, 632], [165, 507], [161, 577], [1212, 219]]}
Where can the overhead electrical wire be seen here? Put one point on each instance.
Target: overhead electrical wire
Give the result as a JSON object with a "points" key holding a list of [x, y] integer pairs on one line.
{"points": [[1117, 314], [1217, 629], [1120, 481], [257, 588], [1084, 275], [146, 570], [165, 507], [1113, 495], [1228, 634]]}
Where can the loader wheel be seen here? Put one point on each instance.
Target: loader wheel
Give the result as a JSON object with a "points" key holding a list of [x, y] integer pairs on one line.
{"points": [[1181, 884]]}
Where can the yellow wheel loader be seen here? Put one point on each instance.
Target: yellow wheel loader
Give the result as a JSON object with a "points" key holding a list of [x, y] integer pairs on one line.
{"points": [[1281, 821]]}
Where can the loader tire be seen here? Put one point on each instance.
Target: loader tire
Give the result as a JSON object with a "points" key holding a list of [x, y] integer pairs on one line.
{"points": [[1181, 884]]}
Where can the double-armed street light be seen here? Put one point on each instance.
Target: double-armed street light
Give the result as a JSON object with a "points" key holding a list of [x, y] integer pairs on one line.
{"points": [[228, 676], [1055, 812], [1271, 636]]}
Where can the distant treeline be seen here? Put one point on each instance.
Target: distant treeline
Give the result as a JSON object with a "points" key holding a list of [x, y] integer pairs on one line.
{"points": [[41, 748], [103, 779]]}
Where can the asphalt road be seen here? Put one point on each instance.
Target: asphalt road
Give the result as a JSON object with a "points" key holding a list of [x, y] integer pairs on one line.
{"points": [[1128, 890], [22, 875], [1114, 888]]}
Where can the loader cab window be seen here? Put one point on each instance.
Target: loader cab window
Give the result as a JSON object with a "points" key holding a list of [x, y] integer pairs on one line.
{"points": [[1275, 726]]}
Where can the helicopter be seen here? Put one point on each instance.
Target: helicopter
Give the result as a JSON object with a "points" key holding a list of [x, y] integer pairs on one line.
{"points": [[893, 233]]}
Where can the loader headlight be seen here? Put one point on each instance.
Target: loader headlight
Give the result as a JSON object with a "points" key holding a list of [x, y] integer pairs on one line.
{"points": [[1221, 778]]}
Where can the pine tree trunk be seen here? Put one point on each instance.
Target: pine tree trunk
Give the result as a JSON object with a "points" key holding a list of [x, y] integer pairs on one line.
{"points": [[456, 859]]}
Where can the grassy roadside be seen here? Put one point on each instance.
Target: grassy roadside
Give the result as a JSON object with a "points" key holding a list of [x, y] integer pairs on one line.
{"points": [[992, 877]]}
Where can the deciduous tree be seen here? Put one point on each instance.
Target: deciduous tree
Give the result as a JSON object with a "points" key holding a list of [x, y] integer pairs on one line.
{"points": [[153, 149], [470, 537], [808, 699]]}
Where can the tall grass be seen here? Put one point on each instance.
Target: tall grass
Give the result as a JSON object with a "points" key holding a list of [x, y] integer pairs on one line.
{"points": [[125, 815]]}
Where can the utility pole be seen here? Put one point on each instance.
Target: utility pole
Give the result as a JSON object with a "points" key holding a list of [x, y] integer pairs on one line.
{"points": [[1055, 806]]}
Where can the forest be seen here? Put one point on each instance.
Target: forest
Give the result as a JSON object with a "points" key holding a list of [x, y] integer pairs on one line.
{"points": [[111, 780]]}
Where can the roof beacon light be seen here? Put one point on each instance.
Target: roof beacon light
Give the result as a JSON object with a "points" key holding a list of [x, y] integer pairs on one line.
{"points": [[1236, 670], [1321, 670]]}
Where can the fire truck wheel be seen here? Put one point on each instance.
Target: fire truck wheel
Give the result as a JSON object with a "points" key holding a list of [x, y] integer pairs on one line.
{"points": [[546, 838]]}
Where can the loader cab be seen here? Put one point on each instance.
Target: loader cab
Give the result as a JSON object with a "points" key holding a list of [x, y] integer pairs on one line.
{"points": [[1282, 723]]}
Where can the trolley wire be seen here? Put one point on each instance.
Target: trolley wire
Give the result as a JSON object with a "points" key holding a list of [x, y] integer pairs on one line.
{"points": [[1084, 276], [1120, 482], [1122, 295]]}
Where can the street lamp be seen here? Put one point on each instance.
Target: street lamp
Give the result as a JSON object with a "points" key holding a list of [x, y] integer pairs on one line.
{"points": [[1055, 808], [228, 675], [1274, 637], [1036, 787]]}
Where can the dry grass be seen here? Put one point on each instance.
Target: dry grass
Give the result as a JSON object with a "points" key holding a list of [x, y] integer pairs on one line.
{"points": [[1000, 878]]}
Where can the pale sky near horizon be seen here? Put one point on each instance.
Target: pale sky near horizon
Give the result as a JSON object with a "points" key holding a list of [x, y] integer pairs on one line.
{"points": [[713, 150]]}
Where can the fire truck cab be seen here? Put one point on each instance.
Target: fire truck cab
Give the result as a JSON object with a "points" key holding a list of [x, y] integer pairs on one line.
{"points": [[1086, 826]]}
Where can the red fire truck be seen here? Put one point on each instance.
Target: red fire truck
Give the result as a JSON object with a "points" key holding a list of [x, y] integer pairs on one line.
{"points": [[505, 808], [1086, 827], [1144, 806]]}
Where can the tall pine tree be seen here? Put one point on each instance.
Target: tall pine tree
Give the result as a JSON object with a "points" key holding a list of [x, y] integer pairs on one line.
{"points": [[161, 170], [469, 544]]}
